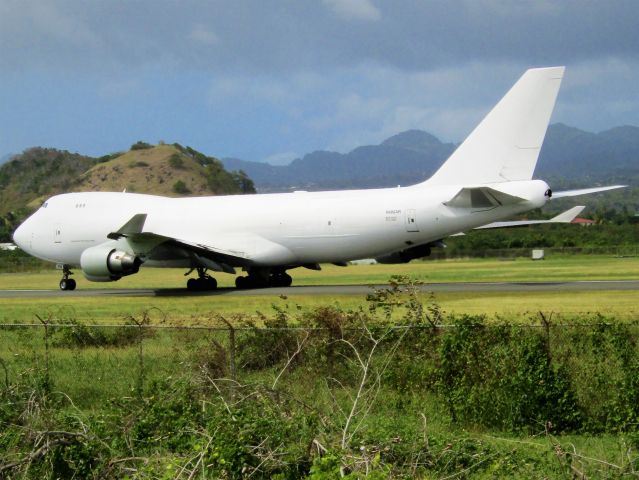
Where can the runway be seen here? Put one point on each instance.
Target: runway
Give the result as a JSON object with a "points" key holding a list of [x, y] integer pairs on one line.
{"points": [[487, 287]]}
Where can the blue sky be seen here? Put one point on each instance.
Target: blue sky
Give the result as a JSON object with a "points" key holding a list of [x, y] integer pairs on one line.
{"points": [[273, 80]]}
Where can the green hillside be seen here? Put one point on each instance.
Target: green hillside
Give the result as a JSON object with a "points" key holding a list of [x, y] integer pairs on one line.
{"points": [[38, 172], [172, 170]]}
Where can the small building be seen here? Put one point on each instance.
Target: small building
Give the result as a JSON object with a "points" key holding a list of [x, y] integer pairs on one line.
{"points": [[8, 246], [584, 222]]}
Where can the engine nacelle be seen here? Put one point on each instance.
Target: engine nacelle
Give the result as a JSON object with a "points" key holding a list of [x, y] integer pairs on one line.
{"points": [[103, 263], [405, 256]]}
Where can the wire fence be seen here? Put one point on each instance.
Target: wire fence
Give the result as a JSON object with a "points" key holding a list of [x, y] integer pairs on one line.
{"points": [[580, 376]]}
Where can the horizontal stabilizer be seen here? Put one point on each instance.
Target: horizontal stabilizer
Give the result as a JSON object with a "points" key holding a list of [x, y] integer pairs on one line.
{"points": [[564, 217], [584, 191], [568, 216], [482, 198]]}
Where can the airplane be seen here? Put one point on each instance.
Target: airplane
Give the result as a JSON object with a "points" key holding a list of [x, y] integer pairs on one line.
{"points": [[486, 180]]}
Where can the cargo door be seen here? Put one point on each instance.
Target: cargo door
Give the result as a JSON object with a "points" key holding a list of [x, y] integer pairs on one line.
{"points": [[411, 220]]}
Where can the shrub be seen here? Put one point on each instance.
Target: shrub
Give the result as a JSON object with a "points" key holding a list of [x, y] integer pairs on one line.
{"points": [[180, 187], [140, 145], [176, 161], [138, 164]]}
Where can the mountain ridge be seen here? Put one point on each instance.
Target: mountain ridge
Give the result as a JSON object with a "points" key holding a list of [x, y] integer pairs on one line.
{"points": [[414, 155]]}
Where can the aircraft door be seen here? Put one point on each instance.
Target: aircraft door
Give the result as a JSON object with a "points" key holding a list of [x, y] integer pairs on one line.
{"points": [[57, 234], [411, 220]]}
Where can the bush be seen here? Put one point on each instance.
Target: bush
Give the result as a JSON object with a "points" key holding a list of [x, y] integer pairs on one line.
{"points": [[180, 188], [140, 145], [138, 164], [176, 161], [503, 377]]}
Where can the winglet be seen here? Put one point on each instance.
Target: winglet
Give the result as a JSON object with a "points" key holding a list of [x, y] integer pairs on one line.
{"points": [[132, 227]]}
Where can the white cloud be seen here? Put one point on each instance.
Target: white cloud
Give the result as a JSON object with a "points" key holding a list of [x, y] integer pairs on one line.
{"points": [[354, 9], [203, 35], [48, 19]]}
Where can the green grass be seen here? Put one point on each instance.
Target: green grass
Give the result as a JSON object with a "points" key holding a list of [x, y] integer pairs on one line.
{"points": [[554, 268], [90, 383], [199, 309], [203, 309]]}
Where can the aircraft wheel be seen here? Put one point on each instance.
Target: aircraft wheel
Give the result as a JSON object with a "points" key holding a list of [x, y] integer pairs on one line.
{"points": [[280, 280], [67, 284], [192, 284], [210, 283], [242, 283]]}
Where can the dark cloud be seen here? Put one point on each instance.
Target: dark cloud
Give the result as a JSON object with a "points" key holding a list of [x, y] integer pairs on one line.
{"points": [[274, 79], [290, 35]]}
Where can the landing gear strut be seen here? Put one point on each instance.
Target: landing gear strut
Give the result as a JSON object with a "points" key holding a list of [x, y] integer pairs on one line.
{"points": [[204, 282], [67, 283], [263, 279]]}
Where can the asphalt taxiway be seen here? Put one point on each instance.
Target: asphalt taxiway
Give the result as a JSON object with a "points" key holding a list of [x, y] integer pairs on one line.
{"points": [[488, 287]]}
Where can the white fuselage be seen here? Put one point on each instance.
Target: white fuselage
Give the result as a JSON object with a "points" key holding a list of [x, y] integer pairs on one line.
{"points": [[269, 229]]}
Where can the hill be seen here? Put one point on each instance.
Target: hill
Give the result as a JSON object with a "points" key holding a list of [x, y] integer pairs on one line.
{"points": [[38, 172], [570, 155], [172, 170]]}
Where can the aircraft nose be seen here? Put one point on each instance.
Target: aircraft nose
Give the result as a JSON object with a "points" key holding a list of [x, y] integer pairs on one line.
{"points": [[22, 237]]}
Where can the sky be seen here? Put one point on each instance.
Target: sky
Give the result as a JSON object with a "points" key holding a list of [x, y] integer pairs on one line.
{"points": [[273, 80]]}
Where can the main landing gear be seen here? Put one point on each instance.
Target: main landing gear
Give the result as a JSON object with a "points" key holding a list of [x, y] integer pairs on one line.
{"points": [[67, 283], [263, 279], [203, 283]]}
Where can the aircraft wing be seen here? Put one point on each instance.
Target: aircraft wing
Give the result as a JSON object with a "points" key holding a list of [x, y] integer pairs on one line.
{"points": [[205, 255]]}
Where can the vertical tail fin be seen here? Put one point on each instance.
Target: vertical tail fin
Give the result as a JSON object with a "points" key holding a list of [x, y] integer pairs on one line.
{"points": [[506, 144]]}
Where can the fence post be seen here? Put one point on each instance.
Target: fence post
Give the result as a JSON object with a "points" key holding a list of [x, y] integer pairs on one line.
{"points": [[6, 373], [232, 367], [546, 324], [47, 379], [140, 380]]}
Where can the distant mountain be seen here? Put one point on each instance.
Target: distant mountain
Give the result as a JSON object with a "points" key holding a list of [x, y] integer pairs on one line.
{"points": [[171, 170], [572, 153], [569, 154], [400, 160]]}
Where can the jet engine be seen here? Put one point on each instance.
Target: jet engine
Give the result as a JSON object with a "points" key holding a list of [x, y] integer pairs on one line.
{"points": [[103, 263], [405, 256]]}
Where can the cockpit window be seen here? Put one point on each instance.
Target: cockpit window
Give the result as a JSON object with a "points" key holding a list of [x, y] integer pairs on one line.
{"points": [[44, 205]]}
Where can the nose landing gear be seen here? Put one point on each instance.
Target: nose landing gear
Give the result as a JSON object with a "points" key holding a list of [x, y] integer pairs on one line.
{"points": [[203, 283], [67, 283]]}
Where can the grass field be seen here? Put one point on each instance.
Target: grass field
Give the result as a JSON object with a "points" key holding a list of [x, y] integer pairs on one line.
{"points": [[95, 389], [553, 268], [196, 309]]}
